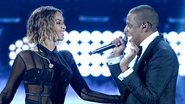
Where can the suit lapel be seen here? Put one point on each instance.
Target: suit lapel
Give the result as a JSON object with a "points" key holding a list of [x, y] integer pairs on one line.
{"points": [[147, 52]]}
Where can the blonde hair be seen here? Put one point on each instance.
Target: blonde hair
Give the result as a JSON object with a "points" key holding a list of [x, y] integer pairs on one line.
{"points": [[40, 24]]}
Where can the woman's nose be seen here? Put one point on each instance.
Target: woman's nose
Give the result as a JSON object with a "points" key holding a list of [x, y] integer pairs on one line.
{"points": [[64, 26]]}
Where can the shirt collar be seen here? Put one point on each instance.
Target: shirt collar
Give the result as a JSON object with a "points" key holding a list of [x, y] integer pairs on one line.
{"points": [[45, 50], [148, 40]]}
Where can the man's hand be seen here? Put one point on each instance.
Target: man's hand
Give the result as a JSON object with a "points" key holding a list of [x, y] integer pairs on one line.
{"points": [[120, 46], [126, 60]]}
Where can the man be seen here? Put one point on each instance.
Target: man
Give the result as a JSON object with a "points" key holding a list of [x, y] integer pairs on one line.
{"points": [[152, 79]]}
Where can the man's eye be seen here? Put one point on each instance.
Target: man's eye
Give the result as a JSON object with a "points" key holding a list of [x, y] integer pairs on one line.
{"points": [[129, 25]]}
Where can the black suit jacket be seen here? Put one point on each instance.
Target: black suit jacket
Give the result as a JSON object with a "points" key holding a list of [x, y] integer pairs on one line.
{"points": [[154, 78]]}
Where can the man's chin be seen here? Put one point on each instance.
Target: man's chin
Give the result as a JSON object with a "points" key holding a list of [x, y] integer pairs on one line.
{"points": [[130, 39]]}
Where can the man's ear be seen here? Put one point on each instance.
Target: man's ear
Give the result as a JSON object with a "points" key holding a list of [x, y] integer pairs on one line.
{"points": [[144, 25]]}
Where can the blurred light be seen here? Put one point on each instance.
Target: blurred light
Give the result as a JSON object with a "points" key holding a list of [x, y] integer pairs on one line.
{"points": [[12, 47], [165, 35], [12, 55], [10, 20], [11, 62], [172, 37], [18, 50], [25, 47], [182, 37], [108, 36], [181, 59], [94, 18], [96, 36], [175, 47], [95, 71], [66, 34], [105, 71], [25, 40], [74, 32], [182, 70], [84, 36], [118, 34], [107, 32], [176, 20], [19, 43], [73, 36], [84, 70]]}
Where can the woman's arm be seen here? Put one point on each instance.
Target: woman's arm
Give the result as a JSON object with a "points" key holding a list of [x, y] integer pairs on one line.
{"points": [[81, 88], [13, 82]]}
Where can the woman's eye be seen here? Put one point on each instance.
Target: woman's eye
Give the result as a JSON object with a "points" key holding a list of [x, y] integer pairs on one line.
{"points": [[58, 23]]}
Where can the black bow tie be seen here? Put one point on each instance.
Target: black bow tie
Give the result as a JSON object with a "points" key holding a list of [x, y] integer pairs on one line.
{"points": [[140, 51], [138, 54]]}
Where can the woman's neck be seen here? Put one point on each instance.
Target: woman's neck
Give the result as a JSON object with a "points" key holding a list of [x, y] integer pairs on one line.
{"points": [[50, 46]]}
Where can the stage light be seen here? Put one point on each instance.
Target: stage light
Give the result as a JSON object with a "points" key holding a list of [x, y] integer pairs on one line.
{"points": [[25, 47], [84, 36], [84, 70], [118, 33], [81, 44], [25, 40], [18, 50], [84, 18], [96, 36], [12, 47], [12, 55], [105, 71], [11, 62], [19, 43], [181, 70], [182, 37], [172, 37]]}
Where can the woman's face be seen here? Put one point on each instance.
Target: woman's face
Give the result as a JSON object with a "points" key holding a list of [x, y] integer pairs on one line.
{"points": [[59, 27]]}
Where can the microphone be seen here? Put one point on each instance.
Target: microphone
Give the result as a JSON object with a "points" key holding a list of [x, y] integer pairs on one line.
{"points": [[108, 46]]}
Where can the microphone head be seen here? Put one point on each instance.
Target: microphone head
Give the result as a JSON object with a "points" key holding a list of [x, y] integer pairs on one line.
{"points": [[125, 40]]}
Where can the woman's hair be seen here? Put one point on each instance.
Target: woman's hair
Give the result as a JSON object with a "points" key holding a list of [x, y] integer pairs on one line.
{"points": [[40, 24]]}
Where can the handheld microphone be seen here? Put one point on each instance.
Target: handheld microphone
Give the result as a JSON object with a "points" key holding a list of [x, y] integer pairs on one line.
{"points": [[108, 46]]}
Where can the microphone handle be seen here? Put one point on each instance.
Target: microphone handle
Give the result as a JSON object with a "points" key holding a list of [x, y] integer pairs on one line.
{"points": [[99, 50], [109, 46]]}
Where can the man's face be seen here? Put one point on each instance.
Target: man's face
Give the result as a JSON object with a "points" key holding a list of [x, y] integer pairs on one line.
{"points": [[132, 29]]}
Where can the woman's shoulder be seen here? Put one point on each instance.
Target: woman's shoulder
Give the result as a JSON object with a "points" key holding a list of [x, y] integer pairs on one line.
{"points": [[65, 52], [24, 53], [67, 56]]}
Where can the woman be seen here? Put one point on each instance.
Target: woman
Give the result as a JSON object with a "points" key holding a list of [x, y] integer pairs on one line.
{"points": [[46, 72]]}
